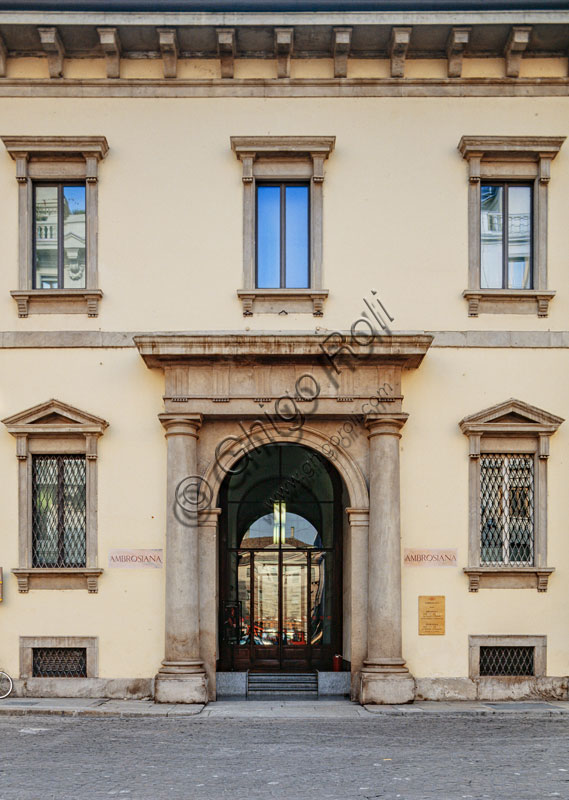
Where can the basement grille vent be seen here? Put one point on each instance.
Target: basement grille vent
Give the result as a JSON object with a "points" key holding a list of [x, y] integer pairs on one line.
{"points": [[59, 662], [507, 661]]}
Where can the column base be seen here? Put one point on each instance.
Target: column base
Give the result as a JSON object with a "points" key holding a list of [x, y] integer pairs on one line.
{"points": [[386, 683], [180, 686]]}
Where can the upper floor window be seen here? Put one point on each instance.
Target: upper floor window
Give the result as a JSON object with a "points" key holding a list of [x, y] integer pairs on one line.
{"points": [[507, 223], [283, 180], [58, 222], [506, 239], [283, 241], [59, 236]]}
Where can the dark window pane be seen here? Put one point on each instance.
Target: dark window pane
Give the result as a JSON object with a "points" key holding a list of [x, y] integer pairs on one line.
{"points": [[59, 662], [507, 661], [46, 238], [244, 594], [519, 238], [294, 599], [491, 233], [296, 237], [321, 598], [268, 237], [74, 237]]}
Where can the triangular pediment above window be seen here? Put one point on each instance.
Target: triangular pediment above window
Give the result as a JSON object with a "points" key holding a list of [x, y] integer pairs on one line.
{"points": [[55, 416], [510, 416]]}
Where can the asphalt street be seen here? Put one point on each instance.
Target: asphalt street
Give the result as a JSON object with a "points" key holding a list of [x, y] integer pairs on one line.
{"points": [[412, 757]]}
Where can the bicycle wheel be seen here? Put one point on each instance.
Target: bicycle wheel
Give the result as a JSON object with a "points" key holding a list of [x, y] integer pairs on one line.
{"points": [[6, 685]]}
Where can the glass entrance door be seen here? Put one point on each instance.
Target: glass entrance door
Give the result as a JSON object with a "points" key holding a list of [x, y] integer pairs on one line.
{"points": [[280, 568]]}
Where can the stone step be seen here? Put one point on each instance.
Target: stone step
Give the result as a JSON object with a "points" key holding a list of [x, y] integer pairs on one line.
{"points": [[274, 684]]}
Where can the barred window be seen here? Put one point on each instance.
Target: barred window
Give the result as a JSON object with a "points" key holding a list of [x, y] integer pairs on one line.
{"points": [[507, 509], [59, 511], [507, 661], [59, 662]]}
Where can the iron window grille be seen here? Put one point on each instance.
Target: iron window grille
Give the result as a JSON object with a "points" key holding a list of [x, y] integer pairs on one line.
{"points": [[59, 519], [507, 510], [59, 662], [507, 661]]}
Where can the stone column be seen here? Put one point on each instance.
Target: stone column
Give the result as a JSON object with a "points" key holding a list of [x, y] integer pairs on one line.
{"points": [[384, 677], [182, 677]]}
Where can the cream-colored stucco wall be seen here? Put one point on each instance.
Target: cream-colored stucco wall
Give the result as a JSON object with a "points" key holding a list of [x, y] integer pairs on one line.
{"points": [[395, 206], [128, 612], [170, 258]]}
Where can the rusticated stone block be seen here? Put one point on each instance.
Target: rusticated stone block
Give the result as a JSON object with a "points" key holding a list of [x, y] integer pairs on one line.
{"points": [[377, 689], [181, 688], [445, 689]]}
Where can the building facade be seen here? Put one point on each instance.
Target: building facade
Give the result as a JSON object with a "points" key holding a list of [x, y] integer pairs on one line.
{"points": [[284, 349]]}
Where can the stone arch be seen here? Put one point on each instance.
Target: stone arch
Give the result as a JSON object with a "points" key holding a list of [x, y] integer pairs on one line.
{"points": [[311, 438]]}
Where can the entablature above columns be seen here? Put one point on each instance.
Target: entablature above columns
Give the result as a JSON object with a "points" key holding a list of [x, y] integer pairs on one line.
{"points": [[244, 375]]}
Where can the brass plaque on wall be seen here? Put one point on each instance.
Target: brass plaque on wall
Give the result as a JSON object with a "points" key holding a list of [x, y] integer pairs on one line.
{"points": [[431, 615]]}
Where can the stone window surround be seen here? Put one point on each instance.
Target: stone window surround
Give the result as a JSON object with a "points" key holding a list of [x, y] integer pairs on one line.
{"points": [[282, 158], [27, 644], [497, 158], [488, 432], [76, 433], [508, 640], [56, 158]]}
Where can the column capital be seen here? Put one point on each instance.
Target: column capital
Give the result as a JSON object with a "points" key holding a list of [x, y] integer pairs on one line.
{"points": [[208, 517], [385, 424], [358, 517], [181, 424]]}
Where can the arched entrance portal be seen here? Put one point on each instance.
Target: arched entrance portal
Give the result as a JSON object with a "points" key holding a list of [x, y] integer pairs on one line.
{"points": [[280, 561]]}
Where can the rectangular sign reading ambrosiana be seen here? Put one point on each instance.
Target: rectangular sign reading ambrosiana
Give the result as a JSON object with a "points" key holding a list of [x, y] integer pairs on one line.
{"points": [[414, 557], [136, 559]]}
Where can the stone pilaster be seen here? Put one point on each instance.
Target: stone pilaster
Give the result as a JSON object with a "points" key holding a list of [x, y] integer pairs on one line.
{"points": [[208, 521], [356, 561], [384, 676], [182, 677]]}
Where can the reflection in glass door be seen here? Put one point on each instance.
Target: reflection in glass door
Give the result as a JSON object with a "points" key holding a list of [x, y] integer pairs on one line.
{"points": [[280, 565]]}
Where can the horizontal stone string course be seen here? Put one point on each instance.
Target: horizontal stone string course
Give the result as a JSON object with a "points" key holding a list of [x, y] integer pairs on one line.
{"points": [[287, 87], [125, 339]]}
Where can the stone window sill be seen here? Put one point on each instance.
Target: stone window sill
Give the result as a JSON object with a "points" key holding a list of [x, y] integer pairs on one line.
{"points": [[58, 578], [57, 301], [508, 578], [283, 301], [508, 301]]}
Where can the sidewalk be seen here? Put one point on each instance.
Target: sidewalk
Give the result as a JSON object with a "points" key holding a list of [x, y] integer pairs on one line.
{"points": [[336, 708]]}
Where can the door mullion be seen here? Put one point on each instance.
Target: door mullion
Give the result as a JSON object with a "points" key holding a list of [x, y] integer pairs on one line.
{"points": [[308, 608], [280, 596], [252, 608]]}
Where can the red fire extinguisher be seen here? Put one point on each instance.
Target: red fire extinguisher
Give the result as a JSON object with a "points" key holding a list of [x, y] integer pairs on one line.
{"points": [[337, 663]]}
